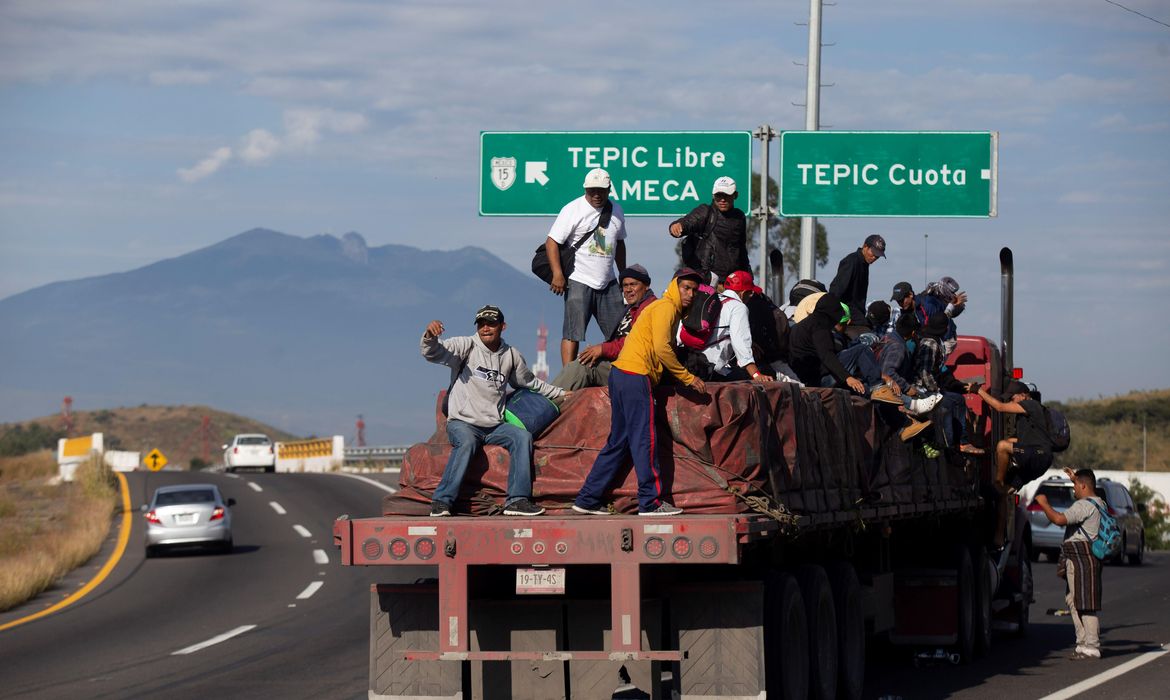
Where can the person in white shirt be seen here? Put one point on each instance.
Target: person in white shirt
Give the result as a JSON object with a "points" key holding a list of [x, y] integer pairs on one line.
{"points": [[729, 351], [590, 289]]}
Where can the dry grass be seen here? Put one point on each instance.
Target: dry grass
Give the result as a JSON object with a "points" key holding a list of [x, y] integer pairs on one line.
{"points": [[47, 531]]}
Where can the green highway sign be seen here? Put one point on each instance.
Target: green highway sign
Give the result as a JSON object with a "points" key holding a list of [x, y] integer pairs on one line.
{"points": [[888, 173], [654, 173]]}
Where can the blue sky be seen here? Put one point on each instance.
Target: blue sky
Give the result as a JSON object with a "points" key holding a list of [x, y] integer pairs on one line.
{"points": [[133, 131]]}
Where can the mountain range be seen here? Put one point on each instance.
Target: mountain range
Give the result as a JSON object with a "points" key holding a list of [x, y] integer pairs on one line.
{"points": [[302, 333]]}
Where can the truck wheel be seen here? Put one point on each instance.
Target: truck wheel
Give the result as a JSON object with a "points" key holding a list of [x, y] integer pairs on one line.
{"points": [[850, 630], [1138, 558], [966, 607], [982, 601], [1024, 588], [786, 650], [819, 612]]}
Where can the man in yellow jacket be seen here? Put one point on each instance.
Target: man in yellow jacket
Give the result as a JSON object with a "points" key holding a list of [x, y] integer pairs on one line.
{"points": [[648, 352]]}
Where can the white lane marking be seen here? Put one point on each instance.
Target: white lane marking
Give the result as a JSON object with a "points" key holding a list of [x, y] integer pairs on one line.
{"points": [[310, 590], [371, 482], [320, 557], [393, 470], [214, 640], [277, 507], [231, 476], [255, 487], [1112, 673], [302, 531]]}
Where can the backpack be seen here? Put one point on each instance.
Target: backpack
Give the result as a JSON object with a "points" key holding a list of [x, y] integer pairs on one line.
{"points": [[769, 328], [701, 319], [1108, 541], [1058, 430]]}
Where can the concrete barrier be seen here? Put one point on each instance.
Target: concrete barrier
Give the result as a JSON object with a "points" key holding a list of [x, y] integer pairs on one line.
{"points": [[73, 452], [122, 461], [319, 455]]}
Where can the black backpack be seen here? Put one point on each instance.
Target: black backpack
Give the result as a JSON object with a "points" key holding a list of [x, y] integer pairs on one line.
{"points": [[769, 328], [1058, 430]]}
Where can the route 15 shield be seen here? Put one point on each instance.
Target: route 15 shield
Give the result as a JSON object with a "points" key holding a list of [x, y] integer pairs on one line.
{"points": [[503, 172]]}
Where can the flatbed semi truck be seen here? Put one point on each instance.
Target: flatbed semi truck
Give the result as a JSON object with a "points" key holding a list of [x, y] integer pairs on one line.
{"points": [[837, 533]]}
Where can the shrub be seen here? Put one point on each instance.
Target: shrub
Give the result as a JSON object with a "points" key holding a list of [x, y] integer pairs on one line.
{"points": [[21, 440], [1155, 517]]}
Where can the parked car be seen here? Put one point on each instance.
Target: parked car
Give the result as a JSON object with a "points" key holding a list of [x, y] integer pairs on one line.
{"points": [[251, 451], [1046, 537], [188, 515]]}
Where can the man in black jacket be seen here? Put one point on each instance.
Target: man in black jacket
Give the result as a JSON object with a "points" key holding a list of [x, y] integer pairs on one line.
{"points": [[851, 285], [812, 356], [715, 234]]}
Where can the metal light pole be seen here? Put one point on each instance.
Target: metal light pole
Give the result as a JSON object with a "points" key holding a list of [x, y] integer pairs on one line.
{"points": [[764, 211], [812, 122]]}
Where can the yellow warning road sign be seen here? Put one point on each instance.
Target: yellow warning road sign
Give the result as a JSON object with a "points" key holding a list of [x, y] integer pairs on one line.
{"points": [[156, 460]]}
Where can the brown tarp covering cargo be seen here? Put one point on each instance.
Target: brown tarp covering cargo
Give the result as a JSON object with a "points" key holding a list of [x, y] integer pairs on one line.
{"points": [[812, 450]]}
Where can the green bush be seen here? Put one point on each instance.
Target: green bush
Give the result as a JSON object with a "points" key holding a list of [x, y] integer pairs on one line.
{"points": [[20, 440], [1155, 517]]}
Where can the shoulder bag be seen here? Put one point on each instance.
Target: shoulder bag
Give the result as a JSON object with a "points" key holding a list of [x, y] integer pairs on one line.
{"points": [[540, 264]]}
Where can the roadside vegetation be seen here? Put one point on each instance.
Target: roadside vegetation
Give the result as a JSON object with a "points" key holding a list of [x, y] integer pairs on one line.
{"points": [[1107, 433], [48, 529], [1156, 516]]}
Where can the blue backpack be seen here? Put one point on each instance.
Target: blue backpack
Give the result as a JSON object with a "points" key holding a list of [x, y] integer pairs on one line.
{"points": [[1108, 542]]}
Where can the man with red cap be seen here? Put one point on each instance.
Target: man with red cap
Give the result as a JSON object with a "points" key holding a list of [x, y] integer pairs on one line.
{"points": [[728, 356]]}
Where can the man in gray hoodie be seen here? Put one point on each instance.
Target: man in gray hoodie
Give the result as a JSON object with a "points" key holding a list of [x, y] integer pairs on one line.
{"points": [[481, 365]]}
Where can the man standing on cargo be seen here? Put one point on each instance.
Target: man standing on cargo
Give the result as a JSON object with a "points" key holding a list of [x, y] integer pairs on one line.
{"points": [[592, 366], [851, 285], [647, 353], [714, 235], [590, 289], [1081, 570], [481, 365]]}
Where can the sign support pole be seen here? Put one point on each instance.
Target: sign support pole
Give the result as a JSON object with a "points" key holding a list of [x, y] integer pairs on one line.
{"points": [[764, 211], [812, 121]]}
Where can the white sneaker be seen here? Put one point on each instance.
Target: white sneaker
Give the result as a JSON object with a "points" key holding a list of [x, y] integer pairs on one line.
{"points": [[925, 404]]}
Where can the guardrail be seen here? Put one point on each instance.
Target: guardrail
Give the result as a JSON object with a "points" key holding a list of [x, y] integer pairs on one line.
{"points": [[384, 453]]}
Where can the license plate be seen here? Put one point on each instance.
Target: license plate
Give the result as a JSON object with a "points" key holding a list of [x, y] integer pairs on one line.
{"points": [[186, 518], [540, 581]]}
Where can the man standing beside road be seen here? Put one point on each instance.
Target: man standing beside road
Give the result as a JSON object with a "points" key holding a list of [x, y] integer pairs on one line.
{"points": [[1080, 569], [851, 285], [647, 353], [481, 366], [591, 290], [715, 234], [592, 366]]}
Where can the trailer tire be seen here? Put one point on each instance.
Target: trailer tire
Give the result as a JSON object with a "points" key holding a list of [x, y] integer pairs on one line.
{"points": [[982, 601], [821, 617], [966, 607], [1024, 588], [786, 652], [850, 630]]}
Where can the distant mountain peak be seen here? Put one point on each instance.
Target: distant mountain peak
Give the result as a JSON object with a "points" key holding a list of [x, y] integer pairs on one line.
{"points": [[353, 246]]}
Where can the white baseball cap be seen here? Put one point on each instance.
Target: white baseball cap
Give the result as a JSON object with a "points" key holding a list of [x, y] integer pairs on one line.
{"points": [[597, 178], [724, 185]]}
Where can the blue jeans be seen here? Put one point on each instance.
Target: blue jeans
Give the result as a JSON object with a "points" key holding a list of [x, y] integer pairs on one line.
{"points": [[859, 360], [952, 413], [631, 434], [466, 439]]}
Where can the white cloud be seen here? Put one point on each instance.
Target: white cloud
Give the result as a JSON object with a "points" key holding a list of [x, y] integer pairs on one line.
{"points": [[258, 146], [303, 127], [207, 166], [179, 77]]}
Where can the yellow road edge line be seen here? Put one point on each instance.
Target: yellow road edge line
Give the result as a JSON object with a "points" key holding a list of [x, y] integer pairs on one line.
{"points": [[119, 550]]}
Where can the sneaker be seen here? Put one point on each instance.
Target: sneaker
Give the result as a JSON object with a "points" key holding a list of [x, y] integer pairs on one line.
{"points": [[967, 448], [925, 404], [911, 431], [523, 506], [931, 451], [1089, 653], [589, 511], [440, 509], [884, 394], [663, 508]]}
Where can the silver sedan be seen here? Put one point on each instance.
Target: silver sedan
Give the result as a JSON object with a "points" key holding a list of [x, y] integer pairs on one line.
{"points": [[189, 514]]}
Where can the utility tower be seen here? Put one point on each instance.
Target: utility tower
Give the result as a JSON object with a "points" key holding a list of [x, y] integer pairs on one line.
{"points": [[540, 369], [67, 415], [361, 431]]}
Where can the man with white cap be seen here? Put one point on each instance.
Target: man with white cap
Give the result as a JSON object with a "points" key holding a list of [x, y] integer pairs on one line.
{"points": [[591, 288], [714, 235]]}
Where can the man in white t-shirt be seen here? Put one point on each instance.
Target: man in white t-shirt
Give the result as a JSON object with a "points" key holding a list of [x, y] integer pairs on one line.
{"points": [[591, 290]]}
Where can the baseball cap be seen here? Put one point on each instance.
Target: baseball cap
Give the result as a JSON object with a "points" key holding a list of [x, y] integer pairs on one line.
{"points": [[878, 313], [877, 244], [597, 178], [724, 185], [686, 273], [741, 281], [1015, 387], [901, 291], [489, 314], [636, 272]]}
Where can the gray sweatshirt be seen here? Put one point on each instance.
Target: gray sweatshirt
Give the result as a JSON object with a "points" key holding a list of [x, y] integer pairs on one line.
{"points": [[477, 396]]}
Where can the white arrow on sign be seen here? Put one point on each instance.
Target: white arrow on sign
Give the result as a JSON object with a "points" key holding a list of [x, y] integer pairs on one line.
{"points": [[534, 171]]}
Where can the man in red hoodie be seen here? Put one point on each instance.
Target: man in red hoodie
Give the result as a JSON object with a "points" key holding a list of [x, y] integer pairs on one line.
{"points": [[591, 368]]}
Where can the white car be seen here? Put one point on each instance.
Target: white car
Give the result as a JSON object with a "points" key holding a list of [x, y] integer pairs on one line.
{"points": [[250, 451]]}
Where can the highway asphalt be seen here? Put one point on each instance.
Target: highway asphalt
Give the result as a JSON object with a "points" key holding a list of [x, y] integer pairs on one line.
{"points": [[280, 618]]}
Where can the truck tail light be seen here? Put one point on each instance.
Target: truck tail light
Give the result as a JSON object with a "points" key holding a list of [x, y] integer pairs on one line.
{"points": [[682, 547], [655, 547], [1017, 372], [152, 517], [708, 547], [424, 548], [398, 548], [217, 514]]}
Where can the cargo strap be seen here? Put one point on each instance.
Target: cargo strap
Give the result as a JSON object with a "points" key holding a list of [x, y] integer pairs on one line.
{"points": [[761, 504]]}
